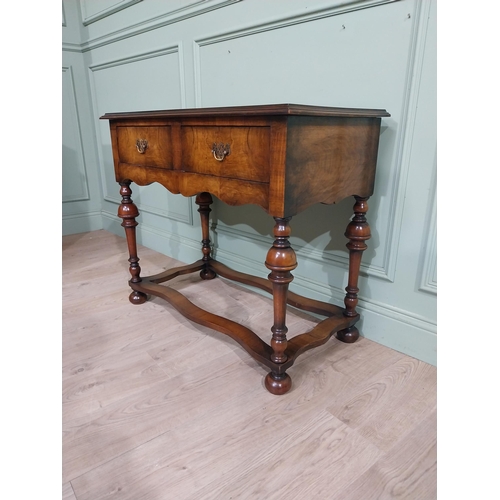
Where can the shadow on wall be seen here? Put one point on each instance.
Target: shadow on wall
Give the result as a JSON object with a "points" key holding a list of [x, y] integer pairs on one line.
{"points": [[319, 227], [317, 234]]}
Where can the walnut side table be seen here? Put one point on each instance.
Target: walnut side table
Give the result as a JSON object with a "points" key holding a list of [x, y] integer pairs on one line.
{"points": [[282, 157]]}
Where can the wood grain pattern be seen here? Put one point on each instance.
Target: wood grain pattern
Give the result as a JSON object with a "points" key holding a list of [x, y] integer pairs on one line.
{"points": [[249, 340], [321, 456], [396, 399], [140, 424], [158, 152], [293, 299], [67, 492], [256, 110], [249, 151], [283, 157], [410, 466], [329, 159]]}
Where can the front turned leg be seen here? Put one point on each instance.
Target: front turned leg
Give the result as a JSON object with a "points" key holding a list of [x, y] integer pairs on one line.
{"points": [[128, 212], [358, 231], [204, 200], [280, 260]]}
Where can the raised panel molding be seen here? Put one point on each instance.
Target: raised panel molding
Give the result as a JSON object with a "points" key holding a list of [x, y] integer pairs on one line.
{"points": [[308, 253], [74, 166], [334, 9], [401, 164], [157, 238], [403, 150], [81, 223], [192, 9], [134, 58], [428, 281], [397, 328], [186, 215], [415, 335], [90, 16], [71, 47], [429, 274]]}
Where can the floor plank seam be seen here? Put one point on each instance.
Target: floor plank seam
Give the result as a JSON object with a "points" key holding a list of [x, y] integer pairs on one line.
{"points": [[182, 417], [119, 455]]}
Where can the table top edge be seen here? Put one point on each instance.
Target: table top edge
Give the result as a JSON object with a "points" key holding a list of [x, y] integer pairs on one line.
{"points": [[254, 110]]}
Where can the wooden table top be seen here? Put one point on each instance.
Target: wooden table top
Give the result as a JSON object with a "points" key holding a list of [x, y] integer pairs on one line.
{"points": [[281, 157], [259, 110]]}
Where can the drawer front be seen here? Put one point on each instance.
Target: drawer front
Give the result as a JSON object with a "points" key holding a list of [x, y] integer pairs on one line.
{"points": [[145, 146], [240, 152]]}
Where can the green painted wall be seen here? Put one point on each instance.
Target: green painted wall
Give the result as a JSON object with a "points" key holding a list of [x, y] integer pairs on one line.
{"points": [[142, 55]]}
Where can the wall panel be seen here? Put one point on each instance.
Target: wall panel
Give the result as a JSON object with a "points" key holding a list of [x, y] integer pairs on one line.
{"points": [[331, 58], [119, 85], [143, 18], [372, 53], [82, 202], [95, 10], [74, 175], [428, 281]]}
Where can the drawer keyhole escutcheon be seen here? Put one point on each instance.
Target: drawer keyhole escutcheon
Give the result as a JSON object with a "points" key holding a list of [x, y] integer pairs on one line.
{"points": [[220, 150], [141, 145]]}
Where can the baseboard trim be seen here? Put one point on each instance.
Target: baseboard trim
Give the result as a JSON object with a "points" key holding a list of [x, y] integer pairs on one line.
{"points": [[81, 223], [178, 247], [392, 327]]}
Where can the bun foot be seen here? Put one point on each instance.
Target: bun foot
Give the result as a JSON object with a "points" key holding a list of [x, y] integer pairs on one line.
{"points": [[207, 274], [349, 335], [278, 384], [137, 298]]}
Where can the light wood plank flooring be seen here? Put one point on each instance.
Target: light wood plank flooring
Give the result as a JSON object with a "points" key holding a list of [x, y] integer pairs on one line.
{"points": [[140, 423]]}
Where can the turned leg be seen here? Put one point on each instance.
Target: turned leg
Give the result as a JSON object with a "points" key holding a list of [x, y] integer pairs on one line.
{"points": [[358, 231], [280, 260], [128, 212], [204, 200]]}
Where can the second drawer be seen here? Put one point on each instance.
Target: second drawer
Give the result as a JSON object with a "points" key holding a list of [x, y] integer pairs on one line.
{"points": [[239, 152]]}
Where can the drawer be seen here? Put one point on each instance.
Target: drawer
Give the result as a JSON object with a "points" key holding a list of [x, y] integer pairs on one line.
{"points": [[248, 156], [145, 146]]}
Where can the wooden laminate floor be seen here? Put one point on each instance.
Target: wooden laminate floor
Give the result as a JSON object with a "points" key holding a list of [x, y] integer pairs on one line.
{"points": [[140, 423]]}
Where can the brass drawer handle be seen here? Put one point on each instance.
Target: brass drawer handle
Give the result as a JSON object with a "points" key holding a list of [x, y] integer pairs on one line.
{"points": [[141, 145], [220, 150]]}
